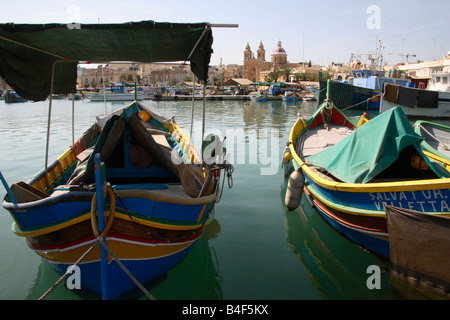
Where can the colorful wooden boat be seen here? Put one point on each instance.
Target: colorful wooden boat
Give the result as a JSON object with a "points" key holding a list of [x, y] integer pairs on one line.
{"points": [[128, 200], [289, 96], [259, 97], [156, 211], [420, 246], [436, 138], [349, 173]]}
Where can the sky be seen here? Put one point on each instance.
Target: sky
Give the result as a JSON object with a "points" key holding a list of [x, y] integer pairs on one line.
{"points": [[322, 31]]}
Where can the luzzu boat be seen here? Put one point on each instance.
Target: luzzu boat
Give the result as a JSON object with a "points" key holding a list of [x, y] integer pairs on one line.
{"points": [[348, 173], [259, 97], [129, 199], [289, 96]]}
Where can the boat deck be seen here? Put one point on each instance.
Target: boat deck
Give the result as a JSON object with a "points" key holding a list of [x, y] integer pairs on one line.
{"points": [[321, 138]]}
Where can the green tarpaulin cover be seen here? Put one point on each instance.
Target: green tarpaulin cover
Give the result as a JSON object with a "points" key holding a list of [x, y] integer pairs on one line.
{"points": [[29, 51], [371, 149]]}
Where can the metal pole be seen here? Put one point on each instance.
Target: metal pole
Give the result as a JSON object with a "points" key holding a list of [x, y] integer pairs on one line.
{"points": [[104, 91], [193, 103], [204, 110], [73, 119], [49, 115]]}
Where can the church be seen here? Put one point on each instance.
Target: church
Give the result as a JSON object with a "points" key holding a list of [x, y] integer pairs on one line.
{"points": [[255, 69]]}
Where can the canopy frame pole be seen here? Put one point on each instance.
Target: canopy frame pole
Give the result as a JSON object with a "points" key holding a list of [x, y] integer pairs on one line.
{"points": [[73, 119], [204, 110], [49, 115], [104, 91], [206, 29], [193, 103]]}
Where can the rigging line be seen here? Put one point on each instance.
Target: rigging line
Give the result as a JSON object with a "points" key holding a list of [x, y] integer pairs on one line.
{"points": [[205, 30], [33, 48]]}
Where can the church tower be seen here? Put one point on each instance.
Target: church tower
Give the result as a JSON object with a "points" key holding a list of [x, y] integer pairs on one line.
{"points": [[248, 54], [261, 53]]}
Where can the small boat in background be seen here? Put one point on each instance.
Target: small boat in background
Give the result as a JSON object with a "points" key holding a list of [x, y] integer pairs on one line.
{"points": [[11, 96], [289, 96], [115, 93], [416, 103], [420, 247], [260, 97], [436, 138]]}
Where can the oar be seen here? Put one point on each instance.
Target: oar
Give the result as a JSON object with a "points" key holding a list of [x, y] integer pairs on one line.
{"points": [[8, 190]]}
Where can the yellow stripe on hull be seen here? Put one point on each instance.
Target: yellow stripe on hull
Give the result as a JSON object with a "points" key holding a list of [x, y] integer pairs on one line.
{"points": [[122, 248]]}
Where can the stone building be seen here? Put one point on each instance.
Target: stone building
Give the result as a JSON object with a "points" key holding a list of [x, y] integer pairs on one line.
{"points": [[254, 66]]}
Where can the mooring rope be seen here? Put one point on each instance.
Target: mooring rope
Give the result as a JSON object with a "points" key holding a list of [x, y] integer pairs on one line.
{"points": [[68, 272], [441, 143], [138, 284]]}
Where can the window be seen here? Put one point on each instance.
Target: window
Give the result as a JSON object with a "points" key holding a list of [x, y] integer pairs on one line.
{"points": [[445, 80]]}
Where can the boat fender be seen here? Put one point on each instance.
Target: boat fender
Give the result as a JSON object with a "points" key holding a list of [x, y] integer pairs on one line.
{"points": [[287, 156], [294, 190]]}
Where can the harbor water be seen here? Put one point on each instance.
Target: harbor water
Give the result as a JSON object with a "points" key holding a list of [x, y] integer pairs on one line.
{"points": [[254, 249]]}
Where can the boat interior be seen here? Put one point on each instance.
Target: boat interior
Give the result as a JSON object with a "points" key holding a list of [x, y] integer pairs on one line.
{"points": [[408, 166]]}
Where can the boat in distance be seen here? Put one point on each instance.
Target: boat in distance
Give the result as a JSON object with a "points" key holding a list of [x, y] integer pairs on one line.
{"points": [[348, 172]]}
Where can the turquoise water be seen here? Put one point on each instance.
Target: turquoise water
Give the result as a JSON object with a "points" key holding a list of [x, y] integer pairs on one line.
{"points": [[254, 249]]}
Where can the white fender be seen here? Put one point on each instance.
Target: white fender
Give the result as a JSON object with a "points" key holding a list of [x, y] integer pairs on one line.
{"points": [[294, 190]]}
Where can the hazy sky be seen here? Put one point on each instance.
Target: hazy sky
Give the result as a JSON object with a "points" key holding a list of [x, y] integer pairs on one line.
{"points": [[322, 31]]}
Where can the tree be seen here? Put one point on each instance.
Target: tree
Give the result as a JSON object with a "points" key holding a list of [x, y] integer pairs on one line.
{"points": [[286, 73], [273, 76]]}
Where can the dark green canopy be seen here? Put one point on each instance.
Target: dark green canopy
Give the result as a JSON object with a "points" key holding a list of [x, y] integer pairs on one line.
{"points": [[29, 51]]}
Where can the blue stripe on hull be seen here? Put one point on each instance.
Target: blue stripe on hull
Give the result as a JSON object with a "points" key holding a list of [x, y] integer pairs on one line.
{"points": [[371, 243], [118, 281], [430, 201]]}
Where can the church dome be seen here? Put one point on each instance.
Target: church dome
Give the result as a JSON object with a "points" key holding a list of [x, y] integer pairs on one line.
{"points": [[279, 49]]}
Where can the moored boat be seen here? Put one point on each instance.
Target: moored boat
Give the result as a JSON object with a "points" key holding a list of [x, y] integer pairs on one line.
{"points": [[127, 201], [261, 97], [115, 93], [349, 173], [11, 96], [289, 96], [436, 138], [416, 103]]}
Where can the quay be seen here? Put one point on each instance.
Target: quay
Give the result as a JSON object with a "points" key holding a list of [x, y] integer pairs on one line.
{"points": [[217, 97]]}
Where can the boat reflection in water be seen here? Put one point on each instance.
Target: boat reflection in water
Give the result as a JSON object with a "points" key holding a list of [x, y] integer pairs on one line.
{"points": [[336, 267]]}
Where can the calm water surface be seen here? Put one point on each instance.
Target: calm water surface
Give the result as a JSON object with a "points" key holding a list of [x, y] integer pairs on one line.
{"points": [[254, 249]]}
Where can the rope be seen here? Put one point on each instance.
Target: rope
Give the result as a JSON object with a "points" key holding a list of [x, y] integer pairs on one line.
{"points": [[100, 239], [68, 272], [365, 101], [441, 144]]}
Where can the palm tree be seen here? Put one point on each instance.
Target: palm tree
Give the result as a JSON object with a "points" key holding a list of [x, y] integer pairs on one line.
{"points": [[286, 73]]}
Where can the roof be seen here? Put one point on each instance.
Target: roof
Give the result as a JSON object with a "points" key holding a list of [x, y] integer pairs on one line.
{"points": [[237, 81], [28, 52], [279, 49]]}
